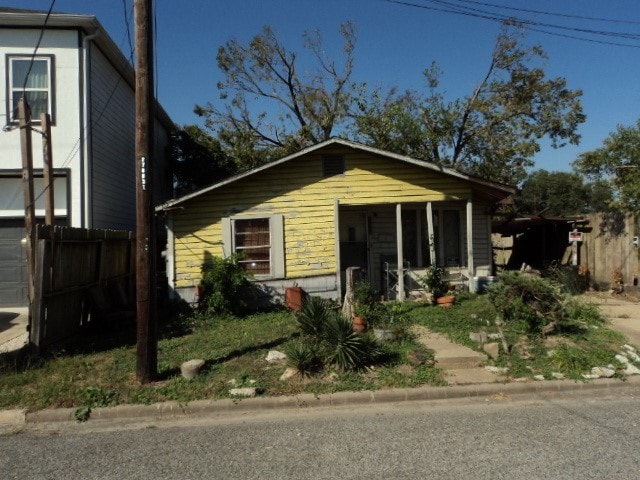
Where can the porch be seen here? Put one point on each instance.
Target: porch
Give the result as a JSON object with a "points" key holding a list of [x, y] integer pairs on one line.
{"points": [[454, 235]]}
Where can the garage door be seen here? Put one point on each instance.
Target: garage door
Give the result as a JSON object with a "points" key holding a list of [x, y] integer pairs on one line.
{"points": [[13, 264]]}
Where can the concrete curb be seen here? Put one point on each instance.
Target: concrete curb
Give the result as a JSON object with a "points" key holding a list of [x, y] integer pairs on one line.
{"points": [[176, 410]]}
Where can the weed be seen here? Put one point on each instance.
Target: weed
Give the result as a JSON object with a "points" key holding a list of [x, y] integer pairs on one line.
{"points": [[82, 414]]}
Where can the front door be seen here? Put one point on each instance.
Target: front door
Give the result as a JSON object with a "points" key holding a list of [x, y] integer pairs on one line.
{"points": [[353, 240]]}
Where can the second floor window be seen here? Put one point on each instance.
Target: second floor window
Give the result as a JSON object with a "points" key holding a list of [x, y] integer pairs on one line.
{"points": [[34, 81]]}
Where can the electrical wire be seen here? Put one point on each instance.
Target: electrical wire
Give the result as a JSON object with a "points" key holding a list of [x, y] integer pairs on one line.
{"points": [[95, 121], [448, 7], [35, 50], [554, 14], [127, 21]]}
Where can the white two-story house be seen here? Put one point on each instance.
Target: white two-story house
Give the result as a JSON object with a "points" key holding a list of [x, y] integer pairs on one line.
{"points": [[84, 81]]}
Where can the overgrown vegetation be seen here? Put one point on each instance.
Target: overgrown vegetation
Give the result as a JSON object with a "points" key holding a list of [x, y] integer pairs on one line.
{"points": [[100, 370], [224, 284], [542, 304]]}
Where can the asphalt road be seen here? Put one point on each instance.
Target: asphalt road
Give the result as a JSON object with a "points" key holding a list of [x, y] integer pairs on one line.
{"points": [[549, 437]]}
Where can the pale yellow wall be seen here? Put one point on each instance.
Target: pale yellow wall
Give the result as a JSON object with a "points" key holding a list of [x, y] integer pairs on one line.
{"points": [[297, 190]]}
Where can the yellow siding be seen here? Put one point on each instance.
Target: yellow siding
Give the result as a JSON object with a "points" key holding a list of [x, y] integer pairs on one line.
{"points": [[297, 190]]}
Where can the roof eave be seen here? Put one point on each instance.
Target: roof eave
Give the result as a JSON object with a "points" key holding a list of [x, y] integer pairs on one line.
{"points": [[504, 190]]}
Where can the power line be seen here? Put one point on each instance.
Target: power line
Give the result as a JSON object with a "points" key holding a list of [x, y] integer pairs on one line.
{"points": [[447, 7], [127, 21], [35, 50], [631, 36], [554, 14]]}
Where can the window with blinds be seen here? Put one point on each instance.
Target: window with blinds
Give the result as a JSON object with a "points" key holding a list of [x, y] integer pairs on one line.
{"points": [[252, 241]]}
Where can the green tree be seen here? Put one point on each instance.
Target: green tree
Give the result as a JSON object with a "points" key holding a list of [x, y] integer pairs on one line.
{"points": [[493, 132], [561, 193], [197, 160], [268, 107], [553, 193], [618, 163]]}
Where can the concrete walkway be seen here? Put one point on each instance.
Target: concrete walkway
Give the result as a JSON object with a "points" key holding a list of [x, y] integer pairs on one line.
{"points": [[623, 314], [462, 365], [465, 366], [13, 328]]}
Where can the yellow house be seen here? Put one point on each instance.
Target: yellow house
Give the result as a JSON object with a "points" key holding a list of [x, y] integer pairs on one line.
{"points": [[302, 220]]}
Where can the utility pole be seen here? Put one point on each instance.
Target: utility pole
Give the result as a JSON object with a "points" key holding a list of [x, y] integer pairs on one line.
{"points": [[47, 170], [147, 343], [24, 119]]}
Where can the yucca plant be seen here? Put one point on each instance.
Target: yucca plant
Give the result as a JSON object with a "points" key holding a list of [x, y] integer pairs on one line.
{"points": [[312, 317], [345, 348], [305, 357]]}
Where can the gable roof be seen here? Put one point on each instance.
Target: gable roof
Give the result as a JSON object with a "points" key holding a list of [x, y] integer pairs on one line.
{"points": [[495, 190]]}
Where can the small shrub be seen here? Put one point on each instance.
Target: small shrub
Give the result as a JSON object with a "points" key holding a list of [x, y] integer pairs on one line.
{"points": [[434, 282], [223, 282], [364, 293], [345, 348], [539, 302], [585, 313], [313, 316], [305, 357], [570, 278]]}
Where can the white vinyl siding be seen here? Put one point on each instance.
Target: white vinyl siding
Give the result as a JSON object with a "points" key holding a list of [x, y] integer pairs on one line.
{"points": [[112, 175]]}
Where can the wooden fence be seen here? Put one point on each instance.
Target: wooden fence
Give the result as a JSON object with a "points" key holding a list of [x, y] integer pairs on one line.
{"points": [[80, 277], [608, 249]]}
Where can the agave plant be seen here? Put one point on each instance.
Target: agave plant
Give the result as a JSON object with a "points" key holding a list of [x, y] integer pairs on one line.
{"points": [[313, 317], [305, 357], [345, 348]]}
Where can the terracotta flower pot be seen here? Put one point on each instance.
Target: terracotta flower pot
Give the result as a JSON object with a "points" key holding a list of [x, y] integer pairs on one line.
{"points": [[359, 324], [447, 301]]}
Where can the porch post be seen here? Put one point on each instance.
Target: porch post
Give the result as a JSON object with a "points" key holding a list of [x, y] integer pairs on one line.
{"points": [[470, 263], [170, 256], [400, 296], [431, 239], [336, 226]]}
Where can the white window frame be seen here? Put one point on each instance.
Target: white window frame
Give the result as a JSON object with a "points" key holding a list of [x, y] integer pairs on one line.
{"points": [[276, 240], [11, 88]]}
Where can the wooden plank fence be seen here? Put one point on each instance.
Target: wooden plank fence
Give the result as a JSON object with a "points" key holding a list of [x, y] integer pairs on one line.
{"points": [[608, 248], [79, 273]]}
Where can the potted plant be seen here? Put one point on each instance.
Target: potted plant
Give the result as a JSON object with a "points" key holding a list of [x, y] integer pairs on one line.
{"points": [[433, 281], [382, 318], [447, 299], [361, 315], [363, 300]]}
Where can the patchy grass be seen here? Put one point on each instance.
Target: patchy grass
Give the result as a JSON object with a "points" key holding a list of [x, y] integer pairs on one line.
{"points": [[582, 343], [95, 372], [99, 370]]}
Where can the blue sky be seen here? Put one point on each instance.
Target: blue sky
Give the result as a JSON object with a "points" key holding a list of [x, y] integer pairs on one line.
{"points": [[395, 44]]}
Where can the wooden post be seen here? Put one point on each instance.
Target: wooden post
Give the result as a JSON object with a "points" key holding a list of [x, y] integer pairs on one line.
{"points": [[430, 233], [47, 170], [349, 302], [147, 341], [400, 246], [24, 117], [574, 249], [470, 260]]}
